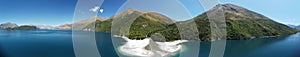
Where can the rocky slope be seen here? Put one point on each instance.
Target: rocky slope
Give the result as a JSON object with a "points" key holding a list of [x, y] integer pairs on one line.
{"points": [[87, 24]]}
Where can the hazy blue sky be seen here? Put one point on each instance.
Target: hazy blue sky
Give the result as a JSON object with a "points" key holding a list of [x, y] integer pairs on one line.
{"points": [[56, 12], [47, 12], [111, 7], [283, 11]]}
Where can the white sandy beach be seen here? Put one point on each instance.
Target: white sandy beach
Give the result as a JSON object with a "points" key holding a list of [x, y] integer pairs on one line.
{"points": [[137, 47]]}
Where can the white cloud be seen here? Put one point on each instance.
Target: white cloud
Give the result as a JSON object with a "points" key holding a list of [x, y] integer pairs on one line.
{"points": [[95, 9], [101, 10]]}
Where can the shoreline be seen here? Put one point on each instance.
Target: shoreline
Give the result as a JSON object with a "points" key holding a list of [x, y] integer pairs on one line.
{"points": [[138, 47]]}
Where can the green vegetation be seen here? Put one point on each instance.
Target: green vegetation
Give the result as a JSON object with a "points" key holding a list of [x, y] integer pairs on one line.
{"points": [[25, 27], [203, 26], [170, 34], [298, 30], [241, 24], [143, 27], [103, 26]]}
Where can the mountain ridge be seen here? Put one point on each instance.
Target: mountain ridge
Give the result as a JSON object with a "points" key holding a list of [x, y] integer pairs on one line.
{"points": [[294, 26], [245, 24], [241, 24]]}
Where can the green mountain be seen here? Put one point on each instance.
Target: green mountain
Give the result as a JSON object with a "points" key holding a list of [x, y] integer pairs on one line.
{"points": [[244, 24], [256, 24], [147, 24], [241, 24], [143, 23]]}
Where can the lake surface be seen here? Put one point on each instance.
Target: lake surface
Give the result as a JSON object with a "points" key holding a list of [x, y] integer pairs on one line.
{"points": [[58, 43]]}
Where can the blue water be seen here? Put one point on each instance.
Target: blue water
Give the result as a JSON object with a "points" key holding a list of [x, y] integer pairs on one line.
{"points": [[41, 43], [283, 46], [58, 43]]}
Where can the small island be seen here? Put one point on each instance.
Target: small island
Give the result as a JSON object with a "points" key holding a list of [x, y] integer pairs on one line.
{"points": [[13, 26]]}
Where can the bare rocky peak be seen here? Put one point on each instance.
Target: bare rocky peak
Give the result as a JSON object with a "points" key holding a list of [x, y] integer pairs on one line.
{"points": [[65, 27], [134, 13], [238, 11], [44, 26], [90, 20], [158, 17], [127, 13]]}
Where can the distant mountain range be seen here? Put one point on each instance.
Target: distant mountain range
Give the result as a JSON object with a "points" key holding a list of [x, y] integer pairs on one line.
{"points": [[294, 26], [87, 25], [298, 27], [13, 26], [60, 27], [64, 27]]}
